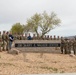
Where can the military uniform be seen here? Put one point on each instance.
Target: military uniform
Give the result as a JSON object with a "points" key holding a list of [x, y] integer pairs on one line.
{"points": [[4, 41], [74, 47], [7, 41], [0, 42], [38, 37], [70, 46], [48, 37], [66, 46], [34, 37], [62, 45]]}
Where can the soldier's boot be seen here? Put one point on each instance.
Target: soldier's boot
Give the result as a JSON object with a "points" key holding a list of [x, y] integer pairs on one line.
{"points": [[69, 51], [7, 48], [61, 51], [3, 49], [65, 51], [0, 49], [74, 52]]}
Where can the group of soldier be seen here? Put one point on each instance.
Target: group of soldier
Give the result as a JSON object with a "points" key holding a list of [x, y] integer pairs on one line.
{"points": [[35, 37], [68, 46], [4, 41]]}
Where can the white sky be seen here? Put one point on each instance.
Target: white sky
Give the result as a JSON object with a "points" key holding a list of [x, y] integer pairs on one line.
{"points": [[13, 11]]}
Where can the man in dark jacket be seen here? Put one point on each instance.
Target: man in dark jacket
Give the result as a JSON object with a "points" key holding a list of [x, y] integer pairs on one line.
{"points": [[29, 37], [11, 38]]}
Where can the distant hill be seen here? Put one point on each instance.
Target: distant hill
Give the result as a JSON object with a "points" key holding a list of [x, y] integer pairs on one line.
{"points": [[70, 37]]}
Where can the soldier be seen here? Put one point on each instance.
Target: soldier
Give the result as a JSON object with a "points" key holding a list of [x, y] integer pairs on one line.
{"points": [[7, 41], [0, 42], [58, 38], [34, 37], [38, 37], [4, 40], [21, 37], [25, 37], [74, 46], [54, 37], [70, 46], [45, 37], [62, 45], [66, 46], [48, 37]]}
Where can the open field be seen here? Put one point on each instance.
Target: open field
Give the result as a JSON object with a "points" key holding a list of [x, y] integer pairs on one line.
{"points": [[34, 64]]}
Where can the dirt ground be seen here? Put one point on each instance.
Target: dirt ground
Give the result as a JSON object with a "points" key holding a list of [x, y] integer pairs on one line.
{"points": [[34, 64]]}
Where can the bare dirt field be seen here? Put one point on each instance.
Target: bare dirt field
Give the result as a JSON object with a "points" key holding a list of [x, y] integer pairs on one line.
{"points": [[34, 64]]}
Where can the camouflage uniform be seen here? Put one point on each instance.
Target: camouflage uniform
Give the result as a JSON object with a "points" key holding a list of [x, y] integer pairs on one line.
{"points": [[22, 37], [48, 37], [38, 37], [25, 37], [0, 42], [74, 47], [62, 45], [70, 46], [66, 46], [7, 41], [34, 37], [4, 40], [45, 37]]}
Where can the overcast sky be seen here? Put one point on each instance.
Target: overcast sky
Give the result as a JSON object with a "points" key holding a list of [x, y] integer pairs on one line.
{"points": [[13, 11]]}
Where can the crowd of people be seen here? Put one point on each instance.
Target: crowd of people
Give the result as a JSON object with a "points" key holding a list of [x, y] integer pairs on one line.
{"points": [[6, 39], [68, 45]]}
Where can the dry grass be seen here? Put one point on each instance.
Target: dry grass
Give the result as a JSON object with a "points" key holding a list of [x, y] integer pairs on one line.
{"points": [[34, 64]]}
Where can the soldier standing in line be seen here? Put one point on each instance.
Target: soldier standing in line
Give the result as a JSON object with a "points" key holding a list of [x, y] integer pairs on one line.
{"points": [[23, 38], [38, 37], [70, 46], [0, 42], [74, 46], [4, 40], [20, 37], [66, 46], [47, 37], [50, 37], [7, 41], [62, 45], [34, 37]]}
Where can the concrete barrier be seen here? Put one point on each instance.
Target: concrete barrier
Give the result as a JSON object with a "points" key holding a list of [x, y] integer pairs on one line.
{"points": [[37, 46]]}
